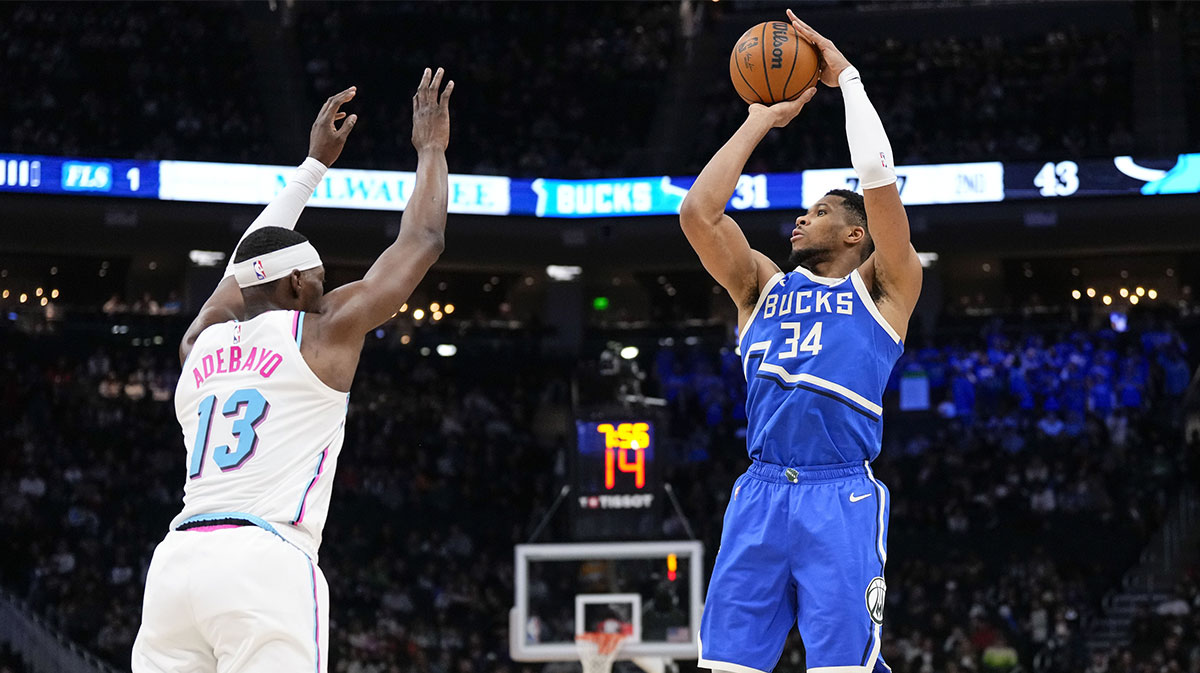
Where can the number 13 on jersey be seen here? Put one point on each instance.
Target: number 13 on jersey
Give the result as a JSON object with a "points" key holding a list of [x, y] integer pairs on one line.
{"points": [[252, 408]]}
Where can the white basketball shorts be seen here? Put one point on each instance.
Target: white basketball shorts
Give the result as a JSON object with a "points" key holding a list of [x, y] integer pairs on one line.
{"points": [[232, 600]]}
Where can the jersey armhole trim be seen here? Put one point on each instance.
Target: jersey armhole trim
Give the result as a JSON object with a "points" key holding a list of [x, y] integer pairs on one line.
{"points": [[298, 327], [865, 296], [762, 297]]}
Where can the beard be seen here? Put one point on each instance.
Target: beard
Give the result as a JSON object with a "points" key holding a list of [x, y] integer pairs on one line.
{"points": [[808, 257]]}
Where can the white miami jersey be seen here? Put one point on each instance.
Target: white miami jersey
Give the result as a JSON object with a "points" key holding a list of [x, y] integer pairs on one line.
{"points": [[262, 432]]}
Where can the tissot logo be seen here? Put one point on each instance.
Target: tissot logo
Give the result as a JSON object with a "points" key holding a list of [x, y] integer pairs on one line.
{"points": [[632, 501]]}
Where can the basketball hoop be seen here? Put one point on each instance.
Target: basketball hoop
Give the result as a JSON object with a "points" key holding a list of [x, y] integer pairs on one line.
{"points": [[597, 651]]}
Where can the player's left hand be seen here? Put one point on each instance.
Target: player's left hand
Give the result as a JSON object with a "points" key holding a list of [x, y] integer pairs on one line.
{"points": [[431, 112], [832, 60]]}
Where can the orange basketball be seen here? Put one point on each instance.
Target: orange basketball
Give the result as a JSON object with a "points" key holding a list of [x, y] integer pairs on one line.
{"points": [[772, 62]]}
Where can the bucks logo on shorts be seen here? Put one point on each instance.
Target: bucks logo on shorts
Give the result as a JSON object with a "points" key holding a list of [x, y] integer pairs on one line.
{"points": [[876, 591]]}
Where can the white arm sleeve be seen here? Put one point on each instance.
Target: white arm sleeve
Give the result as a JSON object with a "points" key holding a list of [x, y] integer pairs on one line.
{"points": [[870, 151], [285, 208]]}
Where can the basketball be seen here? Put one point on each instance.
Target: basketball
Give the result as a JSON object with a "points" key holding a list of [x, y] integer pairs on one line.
{"points": [[772, 62]]}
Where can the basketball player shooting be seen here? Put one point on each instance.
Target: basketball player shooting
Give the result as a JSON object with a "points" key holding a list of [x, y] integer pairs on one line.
{"points": [[267, 366], [805, 534]]}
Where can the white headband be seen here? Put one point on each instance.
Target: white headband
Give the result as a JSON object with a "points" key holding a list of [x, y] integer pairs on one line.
{"points": [[275, 265]]}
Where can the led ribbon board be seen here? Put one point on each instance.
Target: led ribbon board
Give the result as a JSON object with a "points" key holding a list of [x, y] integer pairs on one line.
{"points": [[254, 184]]}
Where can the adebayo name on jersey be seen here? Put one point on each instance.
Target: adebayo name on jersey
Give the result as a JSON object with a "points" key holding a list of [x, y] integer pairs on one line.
{"points": [[234, 359]]}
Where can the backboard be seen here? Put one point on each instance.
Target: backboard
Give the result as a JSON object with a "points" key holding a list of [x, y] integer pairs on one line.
{"points": [[650, 591]]}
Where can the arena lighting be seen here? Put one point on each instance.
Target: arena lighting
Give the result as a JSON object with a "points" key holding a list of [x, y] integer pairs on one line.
{"points": [[448, 308], [435, 307], [403, 308], [1141, 291], [447, 350], [1133, 299], [1091, 292], [1124, 292], [37, 292], [437, 315], [24, 297], [53, 294], [418, 314], [206, 257], [405, 339], [6, 294], [1076, 294], [44, 301], [1106, 299], [1153, 294], [563, 273], [629, 352]]}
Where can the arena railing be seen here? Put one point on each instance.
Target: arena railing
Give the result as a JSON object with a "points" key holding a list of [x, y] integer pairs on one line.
{"points": [[42, 648]]}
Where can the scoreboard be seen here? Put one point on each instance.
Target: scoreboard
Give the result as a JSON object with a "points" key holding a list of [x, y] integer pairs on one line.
{"points": [[926, 184], [617, 482]]}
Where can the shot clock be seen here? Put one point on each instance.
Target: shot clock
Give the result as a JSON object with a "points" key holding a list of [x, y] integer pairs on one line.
{"points": [[617, 487]]}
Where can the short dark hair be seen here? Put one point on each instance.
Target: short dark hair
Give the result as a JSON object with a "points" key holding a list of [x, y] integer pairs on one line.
{"points": [[857, 211], [266, 240]]}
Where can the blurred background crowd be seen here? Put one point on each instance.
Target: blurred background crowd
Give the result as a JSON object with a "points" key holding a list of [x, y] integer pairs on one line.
{"points": [[547, 90], [1052, 461]]}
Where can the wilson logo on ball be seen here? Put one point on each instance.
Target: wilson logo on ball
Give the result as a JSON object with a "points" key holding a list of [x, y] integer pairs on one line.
{"points": [[779, 37]]}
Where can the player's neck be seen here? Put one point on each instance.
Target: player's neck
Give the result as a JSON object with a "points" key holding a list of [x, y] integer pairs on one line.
{"points": [[258, 304]]}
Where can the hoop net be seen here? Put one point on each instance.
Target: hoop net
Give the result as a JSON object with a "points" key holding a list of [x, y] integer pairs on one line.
{"points": [[597, 651]]}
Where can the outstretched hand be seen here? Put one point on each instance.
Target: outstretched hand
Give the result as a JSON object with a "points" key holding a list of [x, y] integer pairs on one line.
{"points": [[431, 113], [326, 140], [782, 113], [832, 61]]}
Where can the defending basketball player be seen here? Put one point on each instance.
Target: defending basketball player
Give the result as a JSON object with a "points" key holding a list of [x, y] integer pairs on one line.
{"points": [[805, 533], [262, 398]]}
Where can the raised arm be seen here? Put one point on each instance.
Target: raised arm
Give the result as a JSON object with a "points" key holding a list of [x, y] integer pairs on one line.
{"points": [[325, 143], [359, 307], [893, 272], [717, 239]]}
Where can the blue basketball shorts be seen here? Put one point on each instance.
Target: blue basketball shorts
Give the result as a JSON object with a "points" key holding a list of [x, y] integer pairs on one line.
{"points": [[804, 547]]}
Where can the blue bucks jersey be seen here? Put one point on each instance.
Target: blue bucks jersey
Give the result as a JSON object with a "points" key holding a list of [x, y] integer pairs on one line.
{"points": [[816, 354]]}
